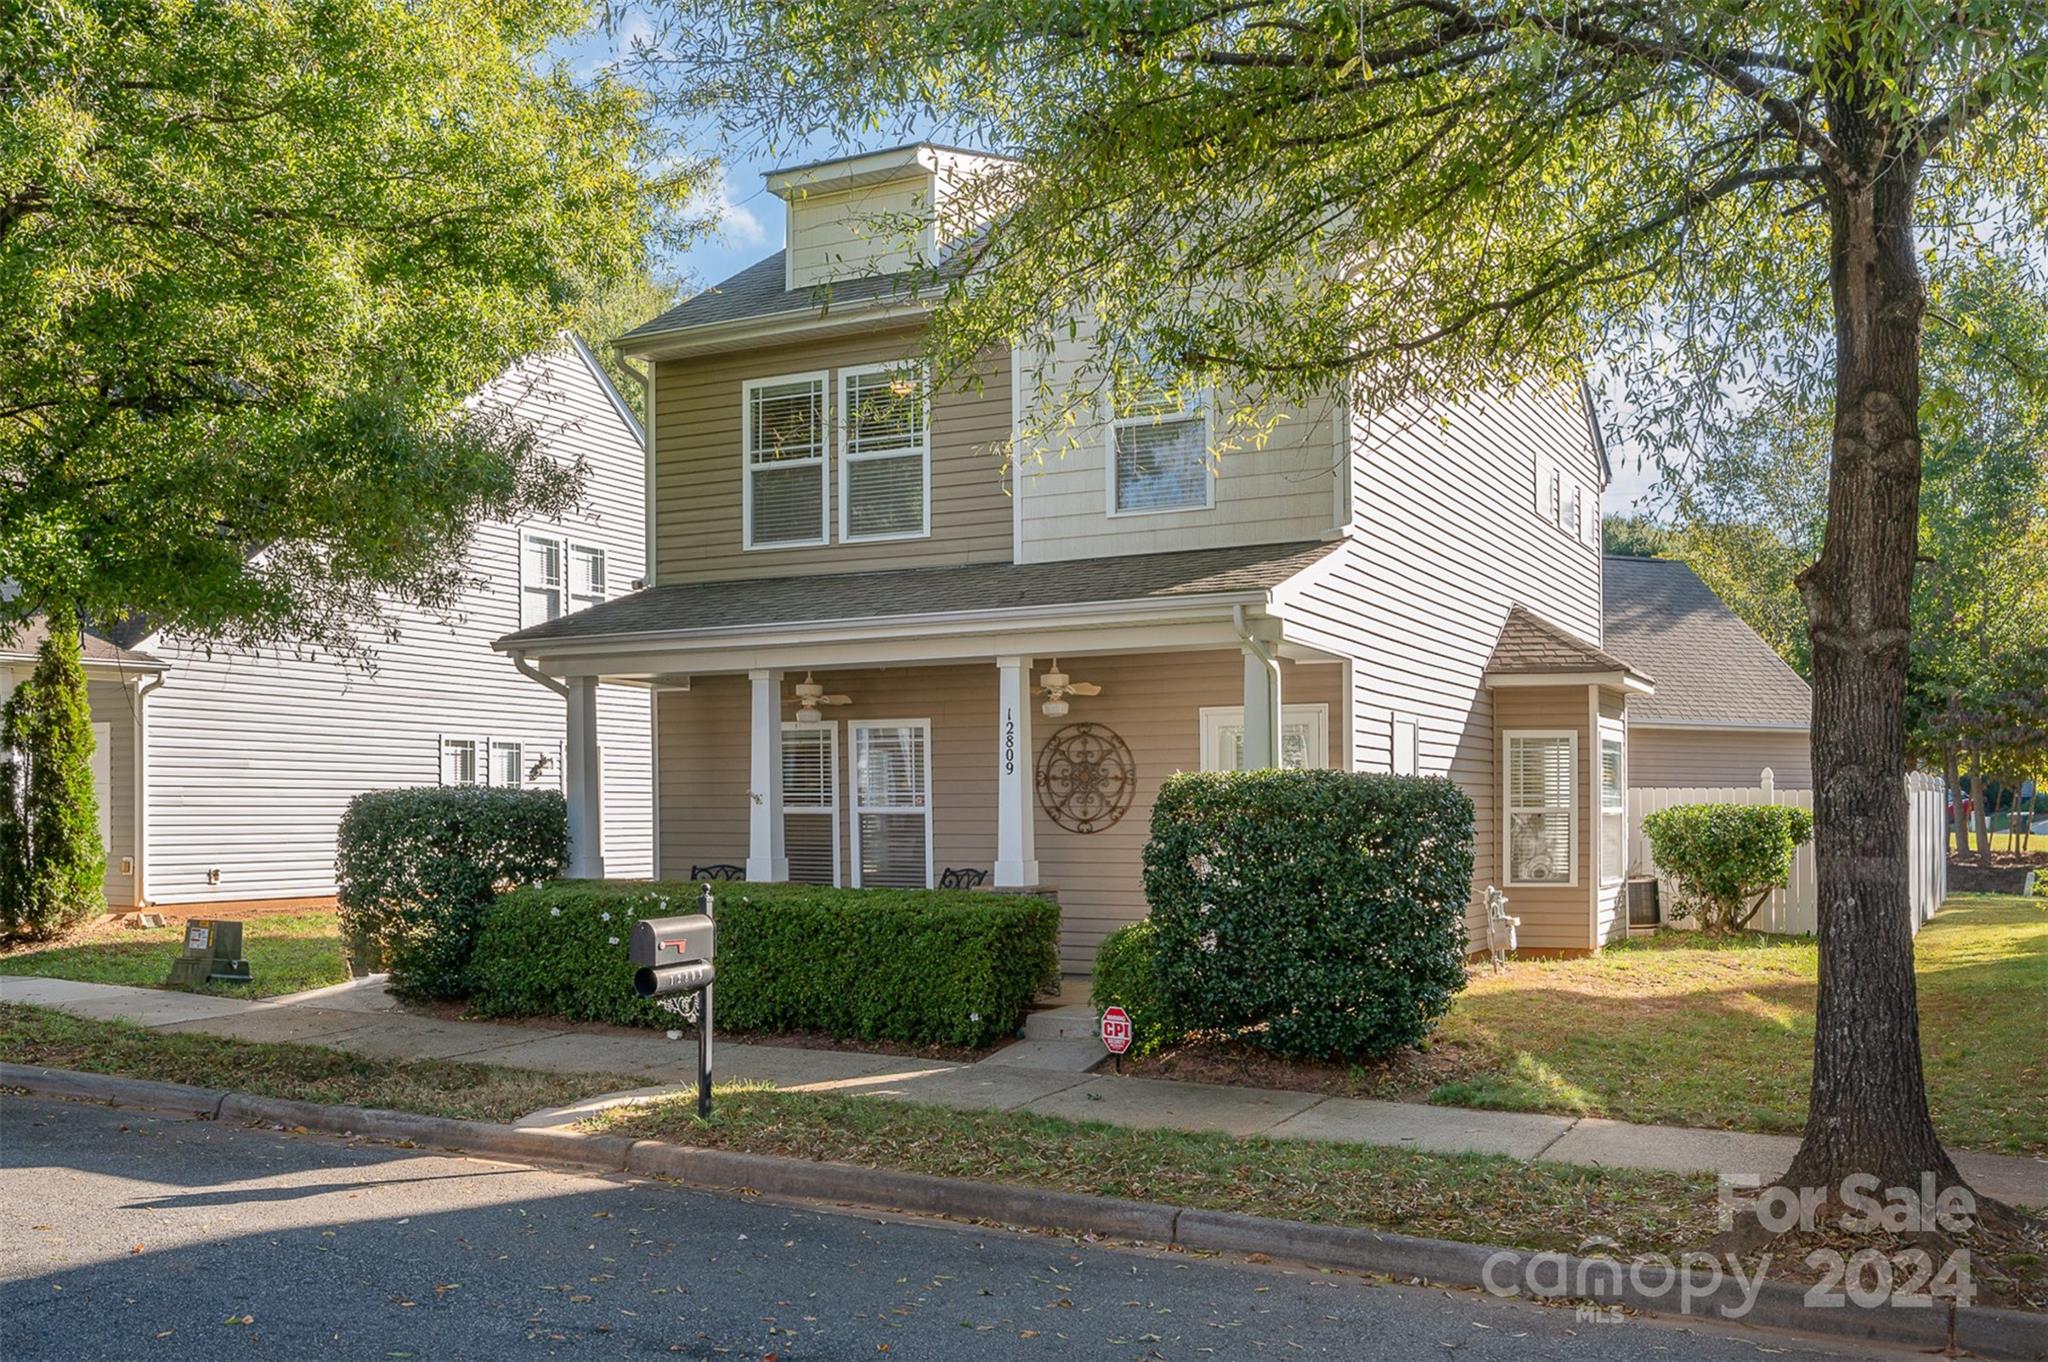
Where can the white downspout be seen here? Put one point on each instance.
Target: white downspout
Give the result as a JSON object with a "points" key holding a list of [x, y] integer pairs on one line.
{"points": [[140, 881]]}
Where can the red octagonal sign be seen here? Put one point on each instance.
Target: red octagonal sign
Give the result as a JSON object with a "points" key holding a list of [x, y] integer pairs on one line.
{"points": [[1116, 1030]]}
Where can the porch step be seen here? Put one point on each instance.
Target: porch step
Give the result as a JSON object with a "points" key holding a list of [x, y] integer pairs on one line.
{"points": [[1060, 1056], [1074, 1022]]}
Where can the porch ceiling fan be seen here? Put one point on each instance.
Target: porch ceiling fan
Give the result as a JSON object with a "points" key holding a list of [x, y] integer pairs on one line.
{"points": [[1056, 686], [809, 695]]}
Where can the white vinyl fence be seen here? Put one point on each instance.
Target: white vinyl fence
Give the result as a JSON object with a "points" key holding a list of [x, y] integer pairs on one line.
{"points": [[1795, 908]]}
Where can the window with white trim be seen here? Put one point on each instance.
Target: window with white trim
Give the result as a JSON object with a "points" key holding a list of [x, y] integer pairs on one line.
{"points": [[461, 762], [782, 430], [557, 576], [1613, 800], [1159, 451], [810, 801], [885, 453], [508, 764], [1542, 784], [1304, 737], [892, 814]]}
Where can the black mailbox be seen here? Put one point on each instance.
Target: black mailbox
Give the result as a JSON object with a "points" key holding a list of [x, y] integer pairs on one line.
{"points": [[672, 954]]}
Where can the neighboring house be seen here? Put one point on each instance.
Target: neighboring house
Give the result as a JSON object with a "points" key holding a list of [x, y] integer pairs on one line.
{"points": [[1416, 594], [250, 757], [1727, 707]]}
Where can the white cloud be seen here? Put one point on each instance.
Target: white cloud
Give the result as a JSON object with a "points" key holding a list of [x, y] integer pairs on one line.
{"points": [[736, 223]]}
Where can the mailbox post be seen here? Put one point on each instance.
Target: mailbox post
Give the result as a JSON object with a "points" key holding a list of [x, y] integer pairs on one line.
{"points": [[672, 958]]}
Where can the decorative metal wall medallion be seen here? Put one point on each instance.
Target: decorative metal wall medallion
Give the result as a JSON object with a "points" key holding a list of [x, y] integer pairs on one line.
{"points": [[1086, 778]]}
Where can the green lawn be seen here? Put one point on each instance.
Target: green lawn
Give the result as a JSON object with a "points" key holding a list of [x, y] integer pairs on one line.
{"points": [[305, 1073], [1684, 1031], [287, 952]]}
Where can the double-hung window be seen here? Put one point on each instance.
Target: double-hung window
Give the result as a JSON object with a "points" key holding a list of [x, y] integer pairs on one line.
{"points": [[1159, 450], [783, 431], [885, 452], [557, 576], [810, 801], [1304, 737], [892, 807], [1613, 801], [461, 762], [1542, 800]]}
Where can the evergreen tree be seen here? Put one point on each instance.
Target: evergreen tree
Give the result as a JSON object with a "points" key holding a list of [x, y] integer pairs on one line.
{"points": [[52, 861]]}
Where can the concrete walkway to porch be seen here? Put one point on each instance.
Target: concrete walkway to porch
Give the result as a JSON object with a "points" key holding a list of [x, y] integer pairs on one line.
{"points": [[361, 1018]]}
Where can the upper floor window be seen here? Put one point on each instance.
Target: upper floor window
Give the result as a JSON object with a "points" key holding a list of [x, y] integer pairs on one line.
{"points": [[557, 576], [1159, 452], [885, 453], [783, 434]]}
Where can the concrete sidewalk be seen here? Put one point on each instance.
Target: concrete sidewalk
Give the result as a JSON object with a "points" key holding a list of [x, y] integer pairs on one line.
{"points": [[362, 1019]]}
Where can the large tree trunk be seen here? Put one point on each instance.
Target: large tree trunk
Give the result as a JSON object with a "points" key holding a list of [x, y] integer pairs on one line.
{"points": [[1867, 1111]]}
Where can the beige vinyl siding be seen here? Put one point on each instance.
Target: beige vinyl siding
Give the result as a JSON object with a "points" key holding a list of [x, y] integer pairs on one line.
{"points": [[1554, 917], [856, 233], [1273, 482], [1152, 701], [113, 704], [1445, 537], [253, 755], [699, 467], [1717, 757]]}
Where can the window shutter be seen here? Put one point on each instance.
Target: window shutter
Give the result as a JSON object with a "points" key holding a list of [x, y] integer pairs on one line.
{"points": [[1406, 761], [447, 759], [1539, 498]]}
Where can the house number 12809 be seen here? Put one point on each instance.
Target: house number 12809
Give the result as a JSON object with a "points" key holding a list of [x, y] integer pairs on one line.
{"points": [[1009, 742]]}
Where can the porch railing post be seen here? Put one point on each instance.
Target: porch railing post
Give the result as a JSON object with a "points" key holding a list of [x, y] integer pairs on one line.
{"points": [[1016, 839], [767, 854], [583, 781]]}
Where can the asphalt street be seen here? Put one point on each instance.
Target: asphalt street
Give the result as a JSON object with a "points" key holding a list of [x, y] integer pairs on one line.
{"points": [[125, 1235]]}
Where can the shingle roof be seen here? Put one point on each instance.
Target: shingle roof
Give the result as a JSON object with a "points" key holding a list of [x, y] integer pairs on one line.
{"points": [[1710, 666], [1531, 645], [22, 640], [759, 291], [909, 592]]}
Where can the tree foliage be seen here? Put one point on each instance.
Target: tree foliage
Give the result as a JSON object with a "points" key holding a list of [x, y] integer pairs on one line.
{"points": [[1402, 198], [52, 862], [256, 256]]}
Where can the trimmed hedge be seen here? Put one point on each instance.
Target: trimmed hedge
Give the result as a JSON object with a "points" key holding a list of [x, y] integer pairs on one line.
{"points": [[1316, 914], [1127, 975], [1726, 858], [951, 967], [417, 868]]}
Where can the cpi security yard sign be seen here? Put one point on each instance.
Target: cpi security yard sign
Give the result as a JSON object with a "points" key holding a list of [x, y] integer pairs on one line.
{"points": [[1116, 1030]]}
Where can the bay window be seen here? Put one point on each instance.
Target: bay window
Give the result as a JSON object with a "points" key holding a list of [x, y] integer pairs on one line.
{"points": [[1542, 807]]}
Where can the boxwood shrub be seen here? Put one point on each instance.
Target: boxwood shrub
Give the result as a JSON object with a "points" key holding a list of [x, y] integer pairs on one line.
{"points": [[1127, 976], [415, 870], [1726, 858], [1317, 914], [951, 967]]}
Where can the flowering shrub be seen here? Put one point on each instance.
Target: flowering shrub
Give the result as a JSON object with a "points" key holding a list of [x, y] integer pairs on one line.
{"points": [[943, 966]]}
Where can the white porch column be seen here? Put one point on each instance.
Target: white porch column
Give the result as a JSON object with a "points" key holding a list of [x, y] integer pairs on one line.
{"points": [[1016, 838], [1261, 710], [767, 856], [583, 781]]}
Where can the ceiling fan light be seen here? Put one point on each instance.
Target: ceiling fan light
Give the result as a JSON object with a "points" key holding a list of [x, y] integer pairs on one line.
{"points": [[1055, 708], [807, 715]]}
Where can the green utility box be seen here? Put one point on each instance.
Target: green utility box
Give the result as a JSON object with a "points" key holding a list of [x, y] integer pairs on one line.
{"points": [[213, 950]]}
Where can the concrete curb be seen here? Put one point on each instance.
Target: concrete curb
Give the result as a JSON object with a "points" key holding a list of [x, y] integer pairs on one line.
{"points": [[1987, 1333]]}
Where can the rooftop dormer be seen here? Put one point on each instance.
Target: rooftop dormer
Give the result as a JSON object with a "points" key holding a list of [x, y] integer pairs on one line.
{"points": [[878, 213]]}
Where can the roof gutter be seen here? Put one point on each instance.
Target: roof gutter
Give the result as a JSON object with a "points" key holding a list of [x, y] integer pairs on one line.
{"points": [[528, 669], [873, 626]]}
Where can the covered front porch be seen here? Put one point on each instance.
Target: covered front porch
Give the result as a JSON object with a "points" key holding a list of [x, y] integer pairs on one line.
{"points": [[929, 745]]}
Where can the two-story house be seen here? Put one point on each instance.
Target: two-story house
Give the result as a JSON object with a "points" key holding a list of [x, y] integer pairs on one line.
{"points": [[223, 772], [882, 653]]}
